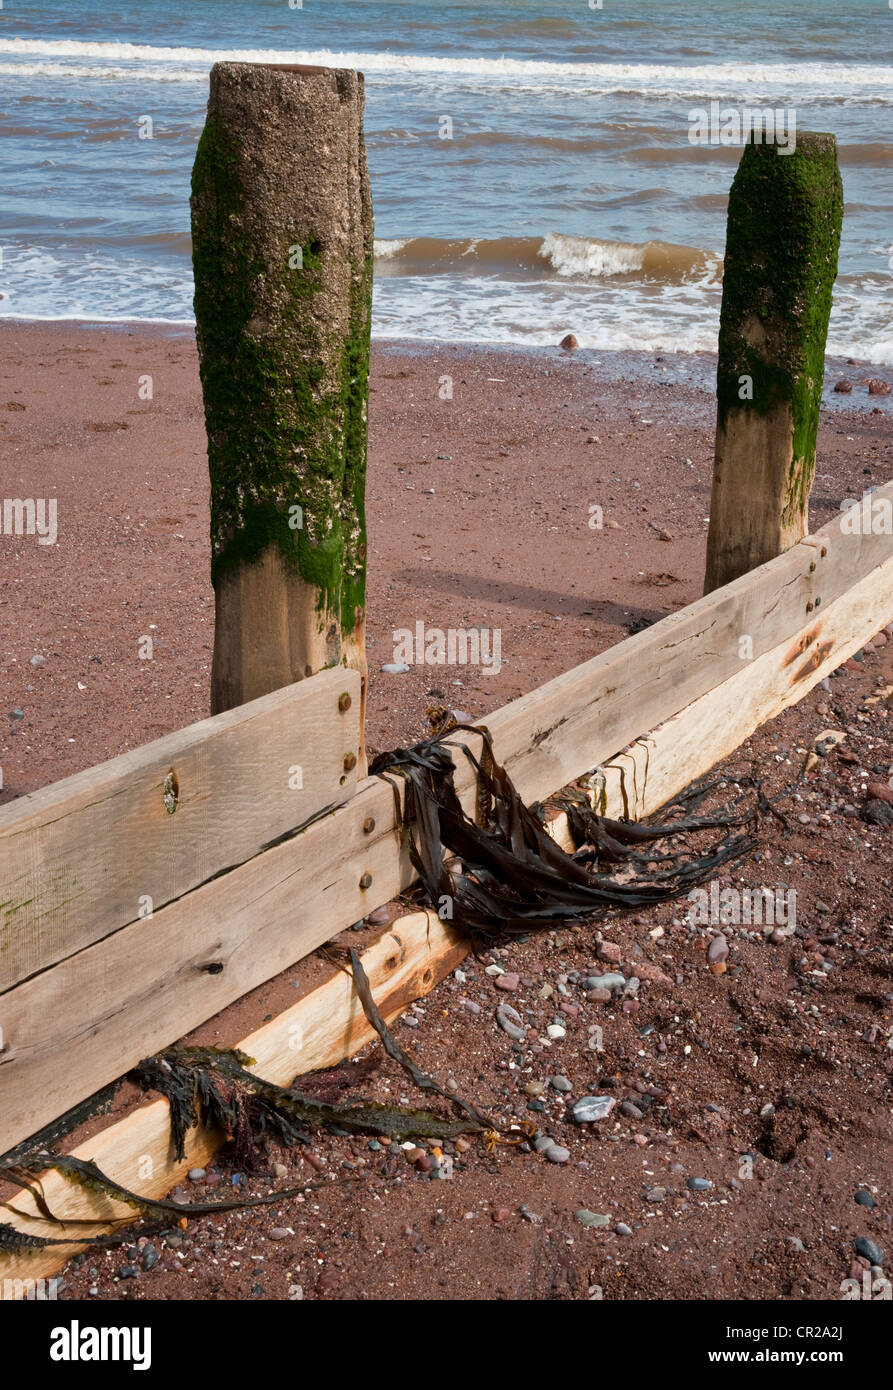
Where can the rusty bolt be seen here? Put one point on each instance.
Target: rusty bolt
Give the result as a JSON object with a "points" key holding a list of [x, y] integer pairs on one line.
{"points": [[344, 702], [366, 881], [350, 762], [369, 825]]}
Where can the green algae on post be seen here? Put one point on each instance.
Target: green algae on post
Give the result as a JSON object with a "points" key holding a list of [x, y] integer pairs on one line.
{"points": [[783, 235], [282, 253]]}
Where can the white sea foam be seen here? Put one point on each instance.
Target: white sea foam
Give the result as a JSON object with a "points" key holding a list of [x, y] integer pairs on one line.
{"points": [[581, 256], [384, 249], [817, 81]]}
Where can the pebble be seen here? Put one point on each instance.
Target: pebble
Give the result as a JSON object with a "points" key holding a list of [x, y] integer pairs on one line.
{"points": [[797, 1244], [865, 1199], [718, 950], [196, 1175], [560, 1083], [470, 1006], [128, 1272], [698, 1184], [17, 714], [609, 951], [655, 1194], [630, 1110], [280, 1170], [150, 1256], [866, 1247], [395, 668], [380, 917], [510, 1022], [613, 980], [38, 661], [280, 1233], [557, 1154], [592, 1108], [556, 1032], [507, 982], [591, 1218], [535, 1088], [621, 1229]]}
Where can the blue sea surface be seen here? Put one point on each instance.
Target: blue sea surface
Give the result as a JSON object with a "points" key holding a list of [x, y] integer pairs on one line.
{"points": [[568, 198]]}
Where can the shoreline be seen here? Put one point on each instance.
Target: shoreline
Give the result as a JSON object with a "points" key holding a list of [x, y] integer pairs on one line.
{"points": [[695, 368]]}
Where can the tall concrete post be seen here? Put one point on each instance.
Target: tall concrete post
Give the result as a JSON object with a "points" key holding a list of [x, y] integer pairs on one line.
{"points": [[282, 253], [784, 221]]}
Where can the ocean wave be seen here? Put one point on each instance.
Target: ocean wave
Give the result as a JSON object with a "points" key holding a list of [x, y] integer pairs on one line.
{"points": [[567, 257], [822, 81]]}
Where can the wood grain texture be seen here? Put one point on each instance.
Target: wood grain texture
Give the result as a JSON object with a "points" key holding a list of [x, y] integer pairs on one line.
{"points": [[404, 964], [419, 949], [80, 858], [658, 765], [551, 735], [151, 982]]}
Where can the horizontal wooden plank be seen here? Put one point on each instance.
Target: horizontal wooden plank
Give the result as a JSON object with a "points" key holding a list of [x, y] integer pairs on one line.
{"points": [[419, 949], [659, 764], [150, 983], [82, 857], [575, 721], [404, 964]]}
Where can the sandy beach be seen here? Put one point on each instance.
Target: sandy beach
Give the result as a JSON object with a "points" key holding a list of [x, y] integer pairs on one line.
{"points": [[479, 512], [478, 507]]}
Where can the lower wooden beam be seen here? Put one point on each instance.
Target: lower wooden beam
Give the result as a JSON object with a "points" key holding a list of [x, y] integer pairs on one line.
{"points": [[405, 963]]}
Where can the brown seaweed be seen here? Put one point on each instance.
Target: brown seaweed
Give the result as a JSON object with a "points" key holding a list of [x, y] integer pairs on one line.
{"points": [[515, 875]]}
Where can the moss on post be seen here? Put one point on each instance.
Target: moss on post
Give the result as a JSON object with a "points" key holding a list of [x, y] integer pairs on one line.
{"points": [[784, 221], [282, 253]]}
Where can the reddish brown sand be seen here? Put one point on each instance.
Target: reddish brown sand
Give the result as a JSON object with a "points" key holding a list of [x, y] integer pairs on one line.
{"points": [[503, 540]]}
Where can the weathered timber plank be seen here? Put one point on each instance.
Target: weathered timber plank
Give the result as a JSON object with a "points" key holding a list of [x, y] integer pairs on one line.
{"points": [[403, 964], [653, 769], [82, 857], [549, 736], [658, 766], [270, 912], [418, 950]]}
